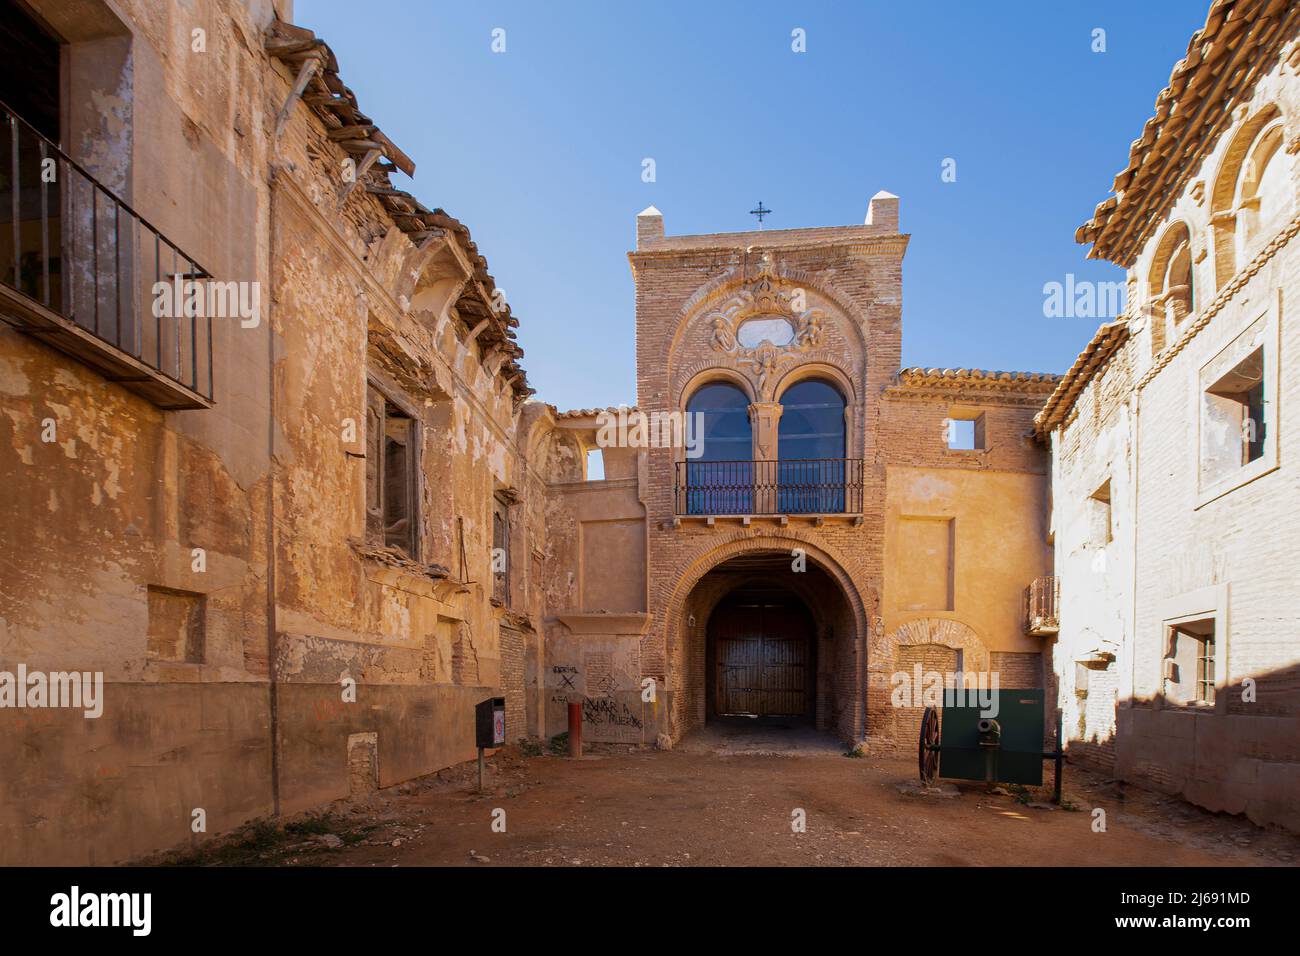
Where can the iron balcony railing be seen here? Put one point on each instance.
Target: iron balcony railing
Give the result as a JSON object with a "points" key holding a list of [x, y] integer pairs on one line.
{"points": [[1043, 606], [796, 486], [79, 267]]}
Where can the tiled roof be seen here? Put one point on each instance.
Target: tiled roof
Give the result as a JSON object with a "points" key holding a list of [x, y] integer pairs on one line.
{"points": [[592, 412], [1103, 345], [958, 377], [354, 132], [1224, 59]]}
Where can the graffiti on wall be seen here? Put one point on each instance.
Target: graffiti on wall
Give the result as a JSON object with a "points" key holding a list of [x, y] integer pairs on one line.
{"points": [[605, 711]]}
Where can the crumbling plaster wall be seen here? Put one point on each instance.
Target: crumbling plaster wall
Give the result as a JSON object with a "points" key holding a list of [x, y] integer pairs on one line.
{"points": [[594, 563], [120, 499], [1096, 574], [423, 636], [122, 496]]}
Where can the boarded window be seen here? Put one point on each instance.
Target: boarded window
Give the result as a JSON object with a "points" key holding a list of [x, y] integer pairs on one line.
{"points": [[391, 487], [176, 626], [501, 550]]}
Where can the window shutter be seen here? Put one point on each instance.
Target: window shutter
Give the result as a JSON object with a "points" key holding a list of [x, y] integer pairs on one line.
{"points": [[374, 466], [397, 485]]}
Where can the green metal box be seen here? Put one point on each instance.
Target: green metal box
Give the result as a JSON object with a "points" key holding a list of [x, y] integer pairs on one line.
{"points": [[1018, 759]]}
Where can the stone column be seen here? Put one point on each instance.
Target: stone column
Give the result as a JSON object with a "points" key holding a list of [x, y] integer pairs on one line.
{"points": [[764, 421]]}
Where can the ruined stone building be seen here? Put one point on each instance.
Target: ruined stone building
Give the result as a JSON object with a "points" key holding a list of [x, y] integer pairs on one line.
{"points": [[272, 466], [233, 516], [1176, 488]]}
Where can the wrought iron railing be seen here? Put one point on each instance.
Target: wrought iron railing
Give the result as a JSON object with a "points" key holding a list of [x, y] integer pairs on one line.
{"points": [[797, 486], [1043, 606], [71, 250]]}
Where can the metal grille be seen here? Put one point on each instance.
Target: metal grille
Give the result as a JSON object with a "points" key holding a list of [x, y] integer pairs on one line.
{"points": [[797, 486], [76, 251], [1042, 606]]}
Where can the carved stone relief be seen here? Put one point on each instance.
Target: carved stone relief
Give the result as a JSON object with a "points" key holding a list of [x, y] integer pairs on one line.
{"points": [[776, 328]]}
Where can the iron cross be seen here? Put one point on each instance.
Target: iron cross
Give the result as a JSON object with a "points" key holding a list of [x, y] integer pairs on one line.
{"points": [[760, 212]]}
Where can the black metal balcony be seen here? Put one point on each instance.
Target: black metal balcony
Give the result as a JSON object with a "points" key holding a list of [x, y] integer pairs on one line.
{"points": [[811, 486], [78, 267]]}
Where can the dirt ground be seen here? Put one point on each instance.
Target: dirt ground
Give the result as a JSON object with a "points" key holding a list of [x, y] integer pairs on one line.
{"points": [[719, 807]]}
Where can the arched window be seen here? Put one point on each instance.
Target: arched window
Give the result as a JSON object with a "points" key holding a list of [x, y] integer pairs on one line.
{"points": [[1263, 196], [1170, 286], [719, 472], [1252, 178], [811, 449]]}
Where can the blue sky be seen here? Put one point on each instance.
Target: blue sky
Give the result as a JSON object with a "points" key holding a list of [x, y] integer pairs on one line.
{"points": [[539, 149]]}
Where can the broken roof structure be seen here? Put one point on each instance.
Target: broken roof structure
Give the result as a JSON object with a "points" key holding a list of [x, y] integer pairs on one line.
{"points": [[323, 91]]}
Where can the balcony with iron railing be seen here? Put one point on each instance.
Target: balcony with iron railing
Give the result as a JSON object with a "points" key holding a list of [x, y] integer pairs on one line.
{"points": [[1043, 606], [822, 486], [78, 270]]}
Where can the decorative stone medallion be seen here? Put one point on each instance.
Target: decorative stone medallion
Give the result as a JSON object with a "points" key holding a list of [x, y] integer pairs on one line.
{"points": [[766, 327]]}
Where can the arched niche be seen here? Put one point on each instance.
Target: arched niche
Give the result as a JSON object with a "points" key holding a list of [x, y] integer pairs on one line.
{"points": [[1171, 287], [1228, 216]]}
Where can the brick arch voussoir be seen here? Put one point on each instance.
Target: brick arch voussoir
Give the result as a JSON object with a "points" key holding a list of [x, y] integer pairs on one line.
{"points": [[709, 555], [930, 630]]}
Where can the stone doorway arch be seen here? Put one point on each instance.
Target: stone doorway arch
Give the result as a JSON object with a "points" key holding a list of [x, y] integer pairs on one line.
{"points": [[829, 588]]}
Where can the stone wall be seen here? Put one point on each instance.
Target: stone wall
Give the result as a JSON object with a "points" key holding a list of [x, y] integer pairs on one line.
{"points": [[250, 676]]}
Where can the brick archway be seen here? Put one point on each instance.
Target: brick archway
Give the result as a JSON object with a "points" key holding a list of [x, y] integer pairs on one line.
{"points": [[681, 638], [893, 729], [932, 630]]}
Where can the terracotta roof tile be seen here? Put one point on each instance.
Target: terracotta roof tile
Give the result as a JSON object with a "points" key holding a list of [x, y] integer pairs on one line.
{"points": [[1224, 59], [354, 132]]}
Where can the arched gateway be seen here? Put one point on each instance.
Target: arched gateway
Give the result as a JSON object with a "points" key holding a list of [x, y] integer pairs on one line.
{"points": [[767, 627]]}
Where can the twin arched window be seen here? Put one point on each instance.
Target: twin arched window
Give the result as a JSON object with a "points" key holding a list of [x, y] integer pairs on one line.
{"points": [[811, 424], [1250, 201], [729, 476]]}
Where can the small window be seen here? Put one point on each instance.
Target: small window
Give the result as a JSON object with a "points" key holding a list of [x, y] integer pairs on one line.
{"points": [[501, 551], [1190, 662], [965, 434], [1103, 531], [595, 464], [1234, 418], [1205, 670], [391, 499], [177, 626]]}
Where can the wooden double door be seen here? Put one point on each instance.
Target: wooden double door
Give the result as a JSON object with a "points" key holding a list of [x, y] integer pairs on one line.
{"points": [[761, 659]]}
